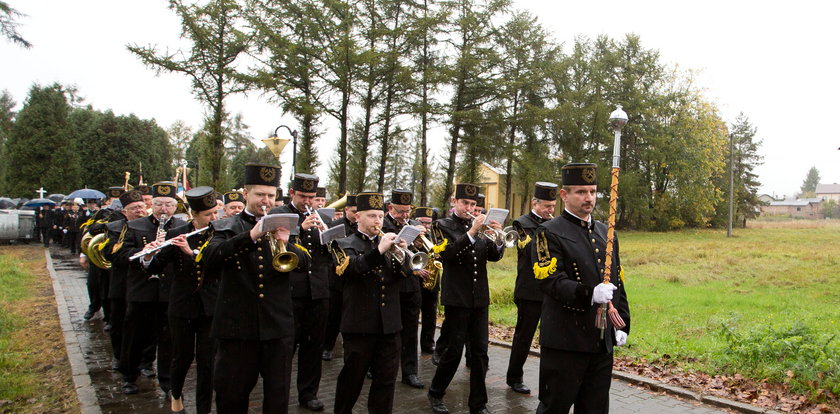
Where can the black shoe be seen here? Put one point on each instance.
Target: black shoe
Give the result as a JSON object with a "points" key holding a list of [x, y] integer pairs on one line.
{"points": [[326, 356], [148, 373], [413, 381], [369, 375], [107, 327], [130, 388], [481, 411], [438, 407], [436, 359], [314, 405], [89, 314], [518, 386]]}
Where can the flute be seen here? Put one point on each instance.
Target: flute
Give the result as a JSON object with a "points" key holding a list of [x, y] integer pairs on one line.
{"points": [[164, 244]]}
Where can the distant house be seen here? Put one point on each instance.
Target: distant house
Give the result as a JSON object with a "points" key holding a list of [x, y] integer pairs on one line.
{"points": [[827, 192], [491, 183], [767, 198], [808, 208]]}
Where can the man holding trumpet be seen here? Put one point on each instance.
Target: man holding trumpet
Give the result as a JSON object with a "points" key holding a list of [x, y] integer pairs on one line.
{"points": [[466, 295], [253, 321]]}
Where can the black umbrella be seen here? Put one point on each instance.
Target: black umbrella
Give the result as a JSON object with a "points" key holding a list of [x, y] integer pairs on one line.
{"points": [[56, 197], [38, 202]]}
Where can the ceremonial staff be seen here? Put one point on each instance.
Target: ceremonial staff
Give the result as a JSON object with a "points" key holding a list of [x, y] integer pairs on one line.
{"points": [[618, 119]]}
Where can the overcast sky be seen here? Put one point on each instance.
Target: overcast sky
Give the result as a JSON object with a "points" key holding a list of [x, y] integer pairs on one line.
{"points": [[774, 61]]}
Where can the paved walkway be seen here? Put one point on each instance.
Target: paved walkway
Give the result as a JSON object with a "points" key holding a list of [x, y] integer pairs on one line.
{"points": [[95, 355]]}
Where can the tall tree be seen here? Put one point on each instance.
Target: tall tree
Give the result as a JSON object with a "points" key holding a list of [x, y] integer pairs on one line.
{"points": [[472, 77], [8, 25], [217, 42], [40, 147], [809, 185], [7, 119], [745, 159]]}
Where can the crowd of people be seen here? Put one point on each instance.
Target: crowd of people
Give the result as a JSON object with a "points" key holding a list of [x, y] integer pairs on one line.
{"points": [[201, 280]]}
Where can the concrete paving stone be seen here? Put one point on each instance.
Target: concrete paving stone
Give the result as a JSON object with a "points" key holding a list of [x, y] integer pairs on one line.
{"points": [[94, 349]]}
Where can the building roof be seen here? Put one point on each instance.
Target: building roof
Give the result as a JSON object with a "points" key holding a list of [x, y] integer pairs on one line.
{"points": [[798, 202], [827, 188], [494, 169]]}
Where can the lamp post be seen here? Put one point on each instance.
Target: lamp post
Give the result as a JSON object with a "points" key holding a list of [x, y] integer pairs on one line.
{"points": [[276, 145], [618, 119]]}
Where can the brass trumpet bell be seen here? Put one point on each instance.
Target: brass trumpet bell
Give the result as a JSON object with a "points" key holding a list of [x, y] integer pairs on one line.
{"points": [[94, 252], [282, 260], [83, 246]]}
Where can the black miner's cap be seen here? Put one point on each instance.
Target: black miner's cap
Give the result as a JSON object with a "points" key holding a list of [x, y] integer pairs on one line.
{"points": [[580, 173]]}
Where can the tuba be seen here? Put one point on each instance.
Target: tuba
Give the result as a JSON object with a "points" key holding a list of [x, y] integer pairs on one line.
{"points": [[94, 251]]}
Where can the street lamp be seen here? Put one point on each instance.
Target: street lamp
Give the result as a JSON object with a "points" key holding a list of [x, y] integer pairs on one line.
{"points": [[276, 145]]}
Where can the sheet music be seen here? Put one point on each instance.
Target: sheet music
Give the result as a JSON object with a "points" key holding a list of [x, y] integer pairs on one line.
{"points": [[272, 222], [332, 233], [329, 213], [408, 233], [497, 214]]}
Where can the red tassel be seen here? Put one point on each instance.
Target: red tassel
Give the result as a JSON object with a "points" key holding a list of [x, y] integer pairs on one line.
{"points": [[615, 317]]}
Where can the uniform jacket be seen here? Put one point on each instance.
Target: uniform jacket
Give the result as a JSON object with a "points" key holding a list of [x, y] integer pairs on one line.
{"points": [[141, 285], [254, 300], [314, 282], [193, 288], [118, 272], [526, 285], [389, 225], [371, 301], [577, 251], [464, 282]]}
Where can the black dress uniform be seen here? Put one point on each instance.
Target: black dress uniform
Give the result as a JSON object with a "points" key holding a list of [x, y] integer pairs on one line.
{"points": [[370, 320], [409, 300], [428, 300], [97, 280], [336, 287], [527, 294], [192, 300], [575, 363], [310, 297], [465, 296], [253, 321], [147, 296]]}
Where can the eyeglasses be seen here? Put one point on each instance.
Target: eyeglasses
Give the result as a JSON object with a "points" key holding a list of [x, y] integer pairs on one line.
{"points": [[164, 204]]}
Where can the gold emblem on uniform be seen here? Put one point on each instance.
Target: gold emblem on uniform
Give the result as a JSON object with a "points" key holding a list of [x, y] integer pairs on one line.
{"points": [[209, 200], [136, 196], [308, 185], [405, 199], [164, 190], [376, 201], [267, 174], [233, 196], [588, 175], [552, 194], [545, 265], [470, 190]]}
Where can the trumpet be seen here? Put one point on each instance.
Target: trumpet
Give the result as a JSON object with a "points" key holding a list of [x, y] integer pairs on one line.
{"points": [[416, 261], [507, 236], [321, 225], [433, 266], [281, 260]]}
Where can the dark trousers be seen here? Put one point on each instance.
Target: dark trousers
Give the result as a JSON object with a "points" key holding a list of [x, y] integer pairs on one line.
{"points": [[379, 353], [45, 235], [527, 318], [464, 323], [428, 310], [310, 323], [146, 327], [333, 320], [409, 313], [73, 237], [240, 362], [97, 287], [571, 378], [118, 306], [191, 340]]}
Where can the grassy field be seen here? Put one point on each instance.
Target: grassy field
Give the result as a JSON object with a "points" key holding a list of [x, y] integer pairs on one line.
{"points": [[34, 371], [764, 304]]}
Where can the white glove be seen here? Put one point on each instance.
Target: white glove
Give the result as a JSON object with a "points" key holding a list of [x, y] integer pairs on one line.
{"points": [[65, 231], [603, 293], [620, 337]]}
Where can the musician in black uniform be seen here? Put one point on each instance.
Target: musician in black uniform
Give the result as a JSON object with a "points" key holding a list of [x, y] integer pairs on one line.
{"points": [[147, 294], [133, 208], [279, 200], [71, 223], [527, 294], [320, 200], [398, 212], [465, 296], [310, 290], [428, 297], [253, 321], [336, 283], [370, 320], [569, 256], [192, 299], [97, 280], [234, 203]]}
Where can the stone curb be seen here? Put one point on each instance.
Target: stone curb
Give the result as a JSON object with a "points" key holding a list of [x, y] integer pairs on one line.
{"points": [[88, 403], [667, 388]]}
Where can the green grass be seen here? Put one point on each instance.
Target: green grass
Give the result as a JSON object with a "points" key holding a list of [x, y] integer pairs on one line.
{"points": [[760, 304], [13, 287]]}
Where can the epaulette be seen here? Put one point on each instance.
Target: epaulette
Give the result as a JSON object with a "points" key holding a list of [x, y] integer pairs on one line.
{"points": [[545, 265], [305, 250]]}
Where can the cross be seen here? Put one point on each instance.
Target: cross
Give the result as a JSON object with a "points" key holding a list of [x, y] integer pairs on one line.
{"points": [[40, 192]]}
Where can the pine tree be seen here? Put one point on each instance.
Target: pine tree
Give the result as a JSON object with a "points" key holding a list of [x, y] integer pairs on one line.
{"points": [[809, 185]]}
